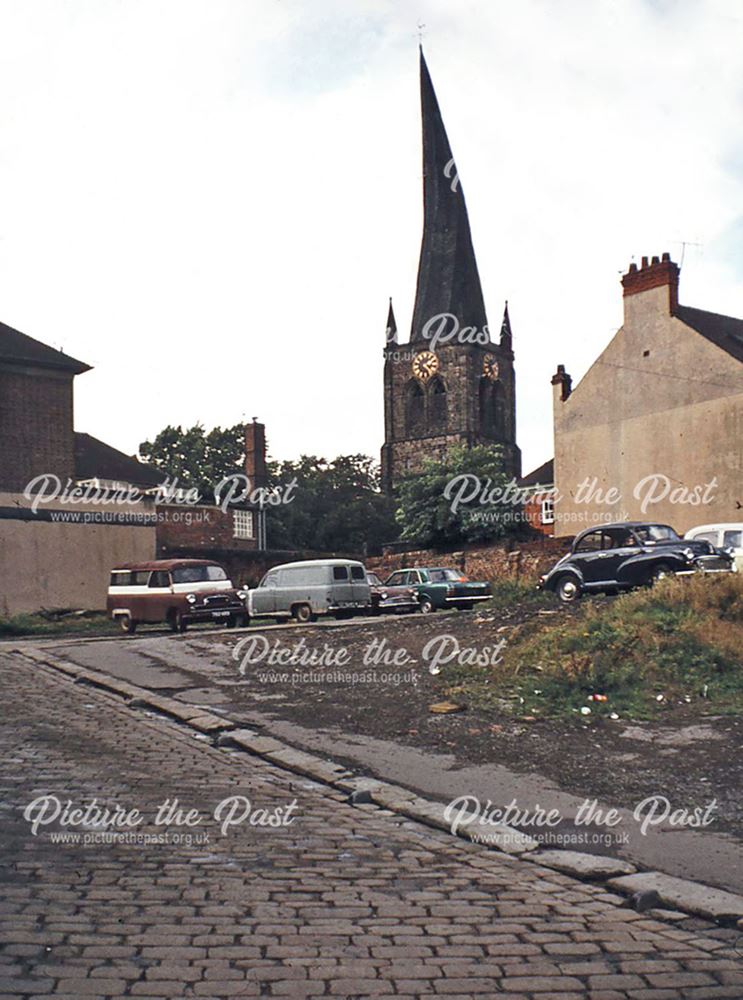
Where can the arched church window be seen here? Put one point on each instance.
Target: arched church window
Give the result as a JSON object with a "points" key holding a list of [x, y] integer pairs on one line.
{"points": [[487, 407], [438, 403], [500, 409], [414, 407], [492, 408]]}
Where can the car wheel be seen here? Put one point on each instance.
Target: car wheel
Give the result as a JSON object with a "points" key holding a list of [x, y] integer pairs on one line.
{"points": [[660, 572], [568, 588], [180, 622], [231, 621], [426, 605], [127, 624], [302, 613], [172, 620]]}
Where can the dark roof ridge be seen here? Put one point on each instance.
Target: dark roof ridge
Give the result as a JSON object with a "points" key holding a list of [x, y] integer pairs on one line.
{"points": [[18, 348]]}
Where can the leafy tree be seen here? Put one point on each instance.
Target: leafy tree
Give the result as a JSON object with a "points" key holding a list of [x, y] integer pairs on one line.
{"points": [[336, 506], [197, 458], [443, 504]]}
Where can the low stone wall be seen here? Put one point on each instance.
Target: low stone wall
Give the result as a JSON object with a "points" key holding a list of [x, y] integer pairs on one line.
{"points": [[507, 561]]}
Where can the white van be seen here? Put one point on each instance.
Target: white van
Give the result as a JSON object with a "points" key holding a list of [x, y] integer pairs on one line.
{"points": [[723, 536], [303, 590]]}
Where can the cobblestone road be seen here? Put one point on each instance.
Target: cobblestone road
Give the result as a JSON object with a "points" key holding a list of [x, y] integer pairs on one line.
{"points": [[342, 902]]}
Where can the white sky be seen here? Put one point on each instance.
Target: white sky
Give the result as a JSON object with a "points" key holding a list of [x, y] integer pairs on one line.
{"points": [[211, 200]]}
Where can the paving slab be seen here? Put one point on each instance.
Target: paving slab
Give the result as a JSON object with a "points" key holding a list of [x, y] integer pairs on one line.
{"points": [[715, 904], [592, 866]]}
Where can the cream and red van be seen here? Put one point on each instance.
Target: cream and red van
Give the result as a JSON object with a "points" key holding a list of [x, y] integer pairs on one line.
{"points": [[174, 591]]}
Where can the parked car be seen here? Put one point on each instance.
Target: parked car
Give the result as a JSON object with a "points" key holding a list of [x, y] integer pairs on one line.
{"points": [[303, 590], [722, 536], [440, 587], [621, 556], [384, 598], [175, 591]]}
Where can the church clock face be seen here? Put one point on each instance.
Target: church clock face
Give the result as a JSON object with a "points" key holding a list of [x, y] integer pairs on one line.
{"points": [[490, 367], [425, 365]]}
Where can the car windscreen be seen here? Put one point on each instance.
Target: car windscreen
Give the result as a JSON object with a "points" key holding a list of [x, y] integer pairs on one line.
{"points": [[198, 574], [374, 579], [656, 533], [443, 575]]}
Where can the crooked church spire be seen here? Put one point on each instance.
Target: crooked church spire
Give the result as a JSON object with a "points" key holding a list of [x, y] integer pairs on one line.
{"points": [[455, 385], [448, 280]]}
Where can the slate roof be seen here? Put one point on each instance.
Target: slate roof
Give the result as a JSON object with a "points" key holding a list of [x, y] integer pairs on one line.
{"points": [[95, 459], [725, 332], [448, 279], [18, 348], [543, 476]]}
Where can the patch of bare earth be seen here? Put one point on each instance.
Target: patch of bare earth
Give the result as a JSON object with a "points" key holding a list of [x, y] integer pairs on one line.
{"points": [[688, 756]]}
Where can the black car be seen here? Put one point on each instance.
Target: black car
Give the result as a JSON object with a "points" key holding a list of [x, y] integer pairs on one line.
{"points": [[631, 554]]}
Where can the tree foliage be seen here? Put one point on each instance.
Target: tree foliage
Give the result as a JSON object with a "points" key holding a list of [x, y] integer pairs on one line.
{"points": [[425, 503], [341, 507], [197, 458], [336, 505]]}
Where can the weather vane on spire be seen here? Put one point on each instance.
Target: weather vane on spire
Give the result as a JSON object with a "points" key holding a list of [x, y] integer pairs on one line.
{"points": [[421, 29]]}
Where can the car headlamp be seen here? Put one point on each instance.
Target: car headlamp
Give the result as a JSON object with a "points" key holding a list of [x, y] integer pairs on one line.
{"points": [[191, 598]]}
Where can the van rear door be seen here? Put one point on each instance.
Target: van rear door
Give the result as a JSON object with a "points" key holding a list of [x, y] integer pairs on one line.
{"points": [[342, 589], [360, 591]]}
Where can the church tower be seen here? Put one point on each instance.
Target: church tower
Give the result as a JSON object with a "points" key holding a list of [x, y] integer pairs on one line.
{"points": [[452, 384]]}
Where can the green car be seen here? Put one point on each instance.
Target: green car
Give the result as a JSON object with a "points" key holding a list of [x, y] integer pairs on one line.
{"points": [[440, 587]]}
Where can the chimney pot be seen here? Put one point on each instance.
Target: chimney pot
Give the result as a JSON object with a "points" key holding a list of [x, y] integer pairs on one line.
{"points": [[632, 268], [644, 262], [666, 257]]}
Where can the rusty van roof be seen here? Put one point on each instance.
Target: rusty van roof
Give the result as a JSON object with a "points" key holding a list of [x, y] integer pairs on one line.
{"points": [[165, 564]]}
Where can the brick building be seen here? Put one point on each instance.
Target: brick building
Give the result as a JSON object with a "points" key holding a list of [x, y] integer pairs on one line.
{"points": [[59, 555], [452, 383], [538, 492], [207, 529], [36, 410]]}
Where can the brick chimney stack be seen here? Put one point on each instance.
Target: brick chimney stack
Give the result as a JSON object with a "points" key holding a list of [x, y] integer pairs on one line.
{"points": [[660, 273], [562, 383], [255, 454]]}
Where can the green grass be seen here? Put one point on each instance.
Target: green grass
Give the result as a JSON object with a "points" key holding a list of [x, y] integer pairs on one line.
{"points": [[52, 623], [510, 592], [650, 653]]}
